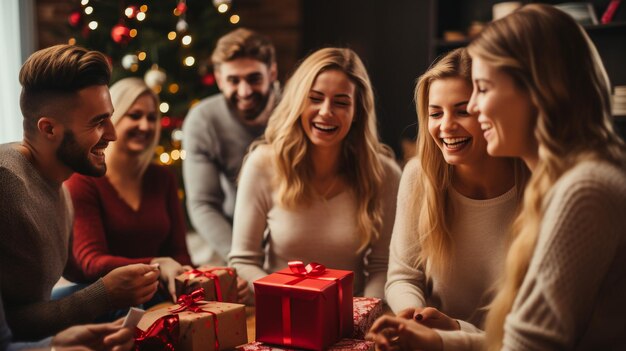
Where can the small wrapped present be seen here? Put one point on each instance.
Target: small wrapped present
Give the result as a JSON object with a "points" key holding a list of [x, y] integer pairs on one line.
{"points": [[304, 307], [219, 283], [366, 311], [342, 345], [192, 325]]}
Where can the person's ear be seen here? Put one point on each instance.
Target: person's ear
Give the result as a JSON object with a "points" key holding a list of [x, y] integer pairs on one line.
{"points": [[273, 72], [218, 77], [50, 128]]}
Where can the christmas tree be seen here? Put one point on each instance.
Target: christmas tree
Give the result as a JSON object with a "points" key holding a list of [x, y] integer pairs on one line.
{"points": [[168, 42]]}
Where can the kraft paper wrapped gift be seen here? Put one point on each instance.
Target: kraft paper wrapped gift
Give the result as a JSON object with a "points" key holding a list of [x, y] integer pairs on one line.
{"points": [[193, 325], [219, 283], [304, 307], [366, 311]]}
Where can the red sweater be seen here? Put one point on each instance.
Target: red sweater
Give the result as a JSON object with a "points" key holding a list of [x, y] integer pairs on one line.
{"points": [[108, 233]]}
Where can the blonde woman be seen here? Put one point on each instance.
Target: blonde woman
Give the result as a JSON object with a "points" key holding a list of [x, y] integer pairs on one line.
{"points": [[320, 182], [133, 214], [565, 280], [456, 204]]}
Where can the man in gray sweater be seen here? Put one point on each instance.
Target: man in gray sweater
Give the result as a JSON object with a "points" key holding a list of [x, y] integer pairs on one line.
{"points": [[219, 129], [66, 107]]}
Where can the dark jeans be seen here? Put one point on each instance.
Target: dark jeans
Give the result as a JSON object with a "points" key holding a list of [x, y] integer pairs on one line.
{"points": [[64, 291]]}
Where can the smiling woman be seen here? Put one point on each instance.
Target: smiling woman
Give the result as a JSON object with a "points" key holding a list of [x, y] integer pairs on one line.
{"points": [[320, 180], [455, 207]]}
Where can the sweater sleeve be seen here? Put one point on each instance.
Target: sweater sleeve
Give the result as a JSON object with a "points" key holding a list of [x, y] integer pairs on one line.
{"points": [[251, 209], [176, 245], [459, 340], [90, 243], [201, 172], [49, 317], [377, 260], [579, 237], [406, 283]]}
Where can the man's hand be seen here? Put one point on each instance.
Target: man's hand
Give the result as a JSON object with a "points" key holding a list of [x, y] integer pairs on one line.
{"points": [[170, 269], [108, 336], [131, 285], [430, 317], [397, 333]]}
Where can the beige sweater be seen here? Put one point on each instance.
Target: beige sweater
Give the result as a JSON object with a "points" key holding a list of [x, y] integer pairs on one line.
{"points": [[573, 296], [324, 232], [479, 231]]}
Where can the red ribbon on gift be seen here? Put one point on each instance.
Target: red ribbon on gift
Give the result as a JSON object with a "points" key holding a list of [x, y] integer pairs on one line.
{"points": [[312, 270], [194, 273], [163, 334]]}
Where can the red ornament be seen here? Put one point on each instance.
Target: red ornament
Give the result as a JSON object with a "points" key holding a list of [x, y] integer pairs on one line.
{"points": [[120, 34], [181, 7], [208, 79], [75, 18], [166, 122]]}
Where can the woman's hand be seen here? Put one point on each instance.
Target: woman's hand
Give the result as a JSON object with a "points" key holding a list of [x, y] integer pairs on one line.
{"points": [[244, 293], [170, 269], [430, 317], [397, 333]]}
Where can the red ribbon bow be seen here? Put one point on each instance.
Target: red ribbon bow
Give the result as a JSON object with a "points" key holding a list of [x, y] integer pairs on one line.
{"points": [[190, 302], [163, 334], [311, 269]]}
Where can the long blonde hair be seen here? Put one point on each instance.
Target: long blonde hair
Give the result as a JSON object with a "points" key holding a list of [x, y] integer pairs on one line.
{"points": [[430, 192], [124, 93], [571, 100], [361, 155]]}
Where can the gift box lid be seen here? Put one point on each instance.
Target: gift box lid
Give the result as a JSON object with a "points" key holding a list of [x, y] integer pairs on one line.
{"points": [[307, 287]]}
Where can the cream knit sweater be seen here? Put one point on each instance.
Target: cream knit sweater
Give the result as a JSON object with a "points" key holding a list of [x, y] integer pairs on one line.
{"points": [[573, 296]]}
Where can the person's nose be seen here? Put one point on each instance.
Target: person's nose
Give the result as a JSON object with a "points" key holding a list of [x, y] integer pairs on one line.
{"points": [[326, 108], [244, 89], [472, 106], [109, 131], [144, 124], [448, 123]]}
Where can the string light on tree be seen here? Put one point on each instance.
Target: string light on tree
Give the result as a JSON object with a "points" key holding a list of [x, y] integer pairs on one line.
{"points": [[131, 11], [84, 2], [171, 35], [222, 5], [141, 16], [164, 107], [141, 55], [234, 19], [189, 61], [186, 40], [93, 25], [88, 10]]}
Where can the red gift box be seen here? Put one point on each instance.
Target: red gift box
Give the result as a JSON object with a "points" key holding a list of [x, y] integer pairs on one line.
{"points": [[304, 307], [366, 311], [342, 345]]}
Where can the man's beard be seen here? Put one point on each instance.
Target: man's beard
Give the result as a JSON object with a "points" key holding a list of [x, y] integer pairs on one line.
{"points": [[76, 158], [260, 101]]}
